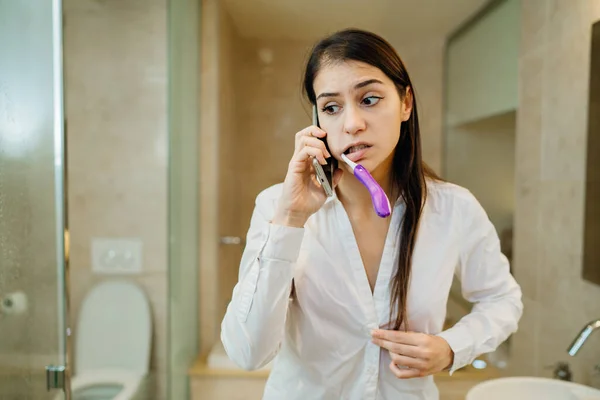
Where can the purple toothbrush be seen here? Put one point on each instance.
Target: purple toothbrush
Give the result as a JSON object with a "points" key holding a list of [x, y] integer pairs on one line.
{"points": [[381, 203]]}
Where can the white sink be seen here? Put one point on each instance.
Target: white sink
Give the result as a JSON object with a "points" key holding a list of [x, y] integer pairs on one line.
{"points": [[529, 388]]}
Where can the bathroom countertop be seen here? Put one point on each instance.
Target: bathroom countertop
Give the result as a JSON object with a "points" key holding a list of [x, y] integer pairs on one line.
{"points": [[212, 375], [202, 369]]}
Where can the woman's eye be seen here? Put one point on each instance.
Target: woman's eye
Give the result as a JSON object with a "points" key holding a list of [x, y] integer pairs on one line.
{"points": [[332, 109], [371, 100]]}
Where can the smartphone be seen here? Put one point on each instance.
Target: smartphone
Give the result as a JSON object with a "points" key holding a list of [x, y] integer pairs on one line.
{"points": [[324, 172]]}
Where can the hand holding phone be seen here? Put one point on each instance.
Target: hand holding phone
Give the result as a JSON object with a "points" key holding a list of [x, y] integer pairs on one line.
{"points": [[324, 173], [302, 194]]}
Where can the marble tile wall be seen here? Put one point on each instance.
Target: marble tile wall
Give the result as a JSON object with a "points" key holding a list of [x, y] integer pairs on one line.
{"points": [[550, 186], [116, 109]]}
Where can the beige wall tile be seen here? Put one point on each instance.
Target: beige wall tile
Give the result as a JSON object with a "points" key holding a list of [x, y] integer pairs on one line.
{"points": [[534, 25], [524, 344], [424, 61], [116, 108], [564, 303], [561, 219], [229, 218], [568, 17], [526, 246], [557, 331], [209, 176], [529, 117], [592, 304], [595, 11], [564, 108], [526, 262]]}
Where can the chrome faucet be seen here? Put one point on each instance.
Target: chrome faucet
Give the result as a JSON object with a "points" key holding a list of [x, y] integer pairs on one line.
{"points": [[582, 337]]}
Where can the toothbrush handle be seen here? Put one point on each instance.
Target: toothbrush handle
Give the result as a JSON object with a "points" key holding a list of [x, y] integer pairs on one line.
{"points": [[380, 200]]}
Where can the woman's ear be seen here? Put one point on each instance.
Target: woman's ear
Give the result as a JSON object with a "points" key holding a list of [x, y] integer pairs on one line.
{"points": [[407, 104]]}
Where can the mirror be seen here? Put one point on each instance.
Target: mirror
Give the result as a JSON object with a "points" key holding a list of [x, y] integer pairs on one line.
{"points": [[591, 250]]}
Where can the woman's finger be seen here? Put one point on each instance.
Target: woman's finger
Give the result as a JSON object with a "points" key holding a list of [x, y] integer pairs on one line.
{"points": [[307, 152], [410, 338], [409, 351], [399, 348], [405, 373], [411, 362], [312, 130], [387, 344], [313, 142]]}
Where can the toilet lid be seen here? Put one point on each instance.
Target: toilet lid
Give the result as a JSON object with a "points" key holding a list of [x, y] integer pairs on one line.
{"points": [[114, 329]]}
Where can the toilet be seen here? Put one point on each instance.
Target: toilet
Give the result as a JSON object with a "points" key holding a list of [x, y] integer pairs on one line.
{"points": [[112, 347]]}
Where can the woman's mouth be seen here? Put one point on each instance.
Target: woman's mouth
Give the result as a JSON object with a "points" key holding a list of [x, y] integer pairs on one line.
{"points": [[357, 148], [357, 152]]}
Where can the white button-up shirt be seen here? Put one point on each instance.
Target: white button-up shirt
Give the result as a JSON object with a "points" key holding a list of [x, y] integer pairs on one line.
{"points": [[319, 339]]}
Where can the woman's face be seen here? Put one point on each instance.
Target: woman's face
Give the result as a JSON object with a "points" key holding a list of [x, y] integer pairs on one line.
{"points": [[361, 111]]}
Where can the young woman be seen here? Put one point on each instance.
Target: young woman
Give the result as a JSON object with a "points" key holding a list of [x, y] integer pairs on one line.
{"points": [[352, 304]]}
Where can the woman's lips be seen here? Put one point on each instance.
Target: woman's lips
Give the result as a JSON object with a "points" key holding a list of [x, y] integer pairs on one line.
{"points": [[357, 155]]}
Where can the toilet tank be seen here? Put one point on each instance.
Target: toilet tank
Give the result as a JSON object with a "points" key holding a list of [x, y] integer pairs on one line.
{"points": [[114, 329]]}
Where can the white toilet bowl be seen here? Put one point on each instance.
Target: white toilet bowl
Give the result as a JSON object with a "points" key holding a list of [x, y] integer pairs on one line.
{"points": [[104, 385], [113, 339]]}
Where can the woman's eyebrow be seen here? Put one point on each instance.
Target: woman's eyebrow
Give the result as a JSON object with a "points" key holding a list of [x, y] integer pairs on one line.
{"points": [[357, 86]]}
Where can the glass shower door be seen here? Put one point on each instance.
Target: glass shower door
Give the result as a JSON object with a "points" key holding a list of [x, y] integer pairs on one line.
{"points": [[33, 323]]}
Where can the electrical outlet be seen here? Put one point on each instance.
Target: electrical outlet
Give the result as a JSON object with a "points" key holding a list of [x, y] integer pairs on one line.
{"points": [[117, 256]]}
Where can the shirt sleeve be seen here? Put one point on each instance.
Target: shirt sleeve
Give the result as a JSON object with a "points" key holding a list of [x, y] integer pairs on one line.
{"points": [[254, 323], [487, 282]]}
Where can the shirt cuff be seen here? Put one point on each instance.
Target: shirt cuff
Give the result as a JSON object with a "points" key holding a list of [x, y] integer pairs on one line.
{"points": [[283, 243], [461, 342]]}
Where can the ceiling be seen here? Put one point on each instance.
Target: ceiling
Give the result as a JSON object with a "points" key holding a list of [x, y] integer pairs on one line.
{"points": [[400, 21]]}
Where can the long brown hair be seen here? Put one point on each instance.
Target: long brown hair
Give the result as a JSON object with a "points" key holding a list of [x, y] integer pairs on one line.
{"points": [[409, 172]]}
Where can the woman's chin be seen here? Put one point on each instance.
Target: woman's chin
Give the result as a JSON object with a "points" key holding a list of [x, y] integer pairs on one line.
{"points": [[369, 165]]}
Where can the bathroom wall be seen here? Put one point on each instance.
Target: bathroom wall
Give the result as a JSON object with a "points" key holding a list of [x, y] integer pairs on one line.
{"points": [[209, 220], [551, 149], [480, 108], [231, 161], [244, 104], [481, 152], [482, 65], [270, 110], [116, 109], [424, 60]]}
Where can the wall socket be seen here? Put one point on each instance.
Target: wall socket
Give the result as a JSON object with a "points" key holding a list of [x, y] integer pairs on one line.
{"points": [[117, 256]]}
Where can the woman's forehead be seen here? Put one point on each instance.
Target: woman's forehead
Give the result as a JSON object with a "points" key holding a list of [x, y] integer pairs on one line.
{"points": [[344, 75]]}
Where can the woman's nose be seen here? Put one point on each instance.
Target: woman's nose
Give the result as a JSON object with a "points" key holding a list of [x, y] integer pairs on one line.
{"points": [[353, 121]]}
